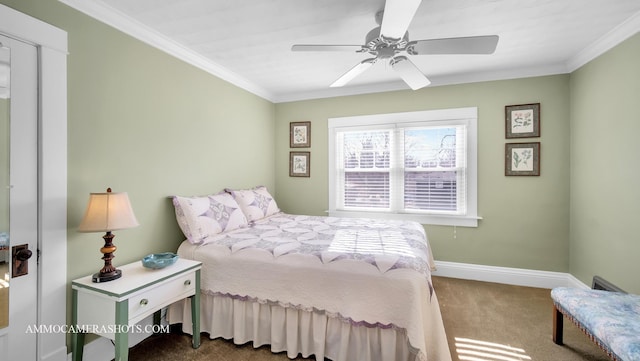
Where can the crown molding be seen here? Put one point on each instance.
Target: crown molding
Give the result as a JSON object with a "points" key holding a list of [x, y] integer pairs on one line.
{"points": [[106, 14], [122, 22], [614, 37], [341, 91], [475, 77]]}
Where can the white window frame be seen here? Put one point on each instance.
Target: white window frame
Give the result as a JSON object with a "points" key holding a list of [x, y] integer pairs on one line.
{"points": [[468, 116]]}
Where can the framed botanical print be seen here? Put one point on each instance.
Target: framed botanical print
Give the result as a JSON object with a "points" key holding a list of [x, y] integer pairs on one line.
{"points": [[522, 121], [299, 164], [522, 159], [300, 134]]}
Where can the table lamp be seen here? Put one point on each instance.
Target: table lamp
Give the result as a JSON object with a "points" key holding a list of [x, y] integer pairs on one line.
{"points": [[107, 212]]}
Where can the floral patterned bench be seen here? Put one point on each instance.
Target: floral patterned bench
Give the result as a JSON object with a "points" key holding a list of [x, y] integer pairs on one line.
{"points": [[610, 319]]}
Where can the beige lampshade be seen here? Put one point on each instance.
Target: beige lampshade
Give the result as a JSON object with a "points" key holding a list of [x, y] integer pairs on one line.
{"points": [[108, 212]]}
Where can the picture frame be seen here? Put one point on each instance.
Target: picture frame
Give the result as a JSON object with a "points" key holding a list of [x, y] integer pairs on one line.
{"points": [[299, 164], [300, 134], [522, 159], [522, 121]]}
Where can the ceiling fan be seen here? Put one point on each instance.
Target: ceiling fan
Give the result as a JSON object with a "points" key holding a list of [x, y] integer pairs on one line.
{"points": [[391, 39]]}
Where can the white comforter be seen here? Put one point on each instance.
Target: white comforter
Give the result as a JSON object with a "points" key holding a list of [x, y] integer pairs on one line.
{"points": [[367, 272]]}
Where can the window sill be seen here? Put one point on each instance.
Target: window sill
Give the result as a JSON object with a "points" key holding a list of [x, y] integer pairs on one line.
{"points": [[427, 219]]}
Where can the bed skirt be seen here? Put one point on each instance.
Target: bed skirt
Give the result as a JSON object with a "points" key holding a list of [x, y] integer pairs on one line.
{"points": [[296, 331]]}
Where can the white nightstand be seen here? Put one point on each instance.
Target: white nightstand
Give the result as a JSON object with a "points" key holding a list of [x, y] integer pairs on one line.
{"points": [[109, 309]]}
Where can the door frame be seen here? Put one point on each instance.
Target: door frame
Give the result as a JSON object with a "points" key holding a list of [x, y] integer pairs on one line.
{"points": [[51, 43]]}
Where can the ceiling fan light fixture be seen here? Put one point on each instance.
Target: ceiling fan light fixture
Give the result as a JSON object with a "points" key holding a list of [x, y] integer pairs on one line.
{"points": [[391, 38], [409, 72]]}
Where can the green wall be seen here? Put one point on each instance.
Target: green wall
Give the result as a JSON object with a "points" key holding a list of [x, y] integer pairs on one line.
{"points": [[525, 219], [605, 197], [144, 122]]}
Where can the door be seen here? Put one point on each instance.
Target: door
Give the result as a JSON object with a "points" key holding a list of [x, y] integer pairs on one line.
{"points": [[18, 199]]}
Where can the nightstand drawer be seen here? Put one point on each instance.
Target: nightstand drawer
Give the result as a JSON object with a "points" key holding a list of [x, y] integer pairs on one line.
{"points": [[162, 295]]}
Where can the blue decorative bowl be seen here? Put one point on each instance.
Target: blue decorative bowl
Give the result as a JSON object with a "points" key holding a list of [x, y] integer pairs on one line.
{"points": [[159, 260]]}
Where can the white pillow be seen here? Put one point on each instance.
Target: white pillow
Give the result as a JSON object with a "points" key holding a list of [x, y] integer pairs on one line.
{"points": [[256, 203], [202, 217]]}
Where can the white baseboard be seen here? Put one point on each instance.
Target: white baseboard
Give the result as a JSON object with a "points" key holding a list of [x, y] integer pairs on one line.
{"points": [[59, 354], [574, 282], [511, 276], [102, 348]]}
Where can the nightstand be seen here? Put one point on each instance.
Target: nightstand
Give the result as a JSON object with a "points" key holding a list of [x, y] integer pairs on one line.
{"points": [[111, 309]]}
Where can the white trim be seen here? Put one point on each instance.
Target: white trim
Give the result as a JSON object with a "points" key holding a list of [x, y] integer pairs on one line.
{"points": [[341, 91], [458, 221], [576, 283], [506, 275], [467, 116], [102, 12], [475, 77], [22, 27], [102, 349], [616, 36], [53, 200], [112, 17], [417, 116], [52, 172]]}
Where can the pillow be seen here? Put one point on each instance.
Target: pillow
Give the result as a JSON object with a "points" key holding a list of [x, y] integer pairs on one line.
{"points": [[256, 203], [202, 217]]}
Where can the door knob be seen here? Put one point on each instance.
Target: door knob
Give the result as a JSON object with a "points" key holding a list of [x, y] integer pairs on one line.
{"points": [[20, 254], [24, 254]]}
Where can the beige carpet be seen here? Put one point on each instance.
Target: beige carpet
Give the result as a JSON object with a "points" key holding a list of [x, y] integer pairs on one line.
{"points": [[484, 322], [518, 320]]}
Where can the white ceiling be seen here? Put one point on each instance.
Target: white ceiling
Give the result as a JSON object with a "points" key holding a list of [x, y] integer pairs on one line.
{"points": [[248, 42]]}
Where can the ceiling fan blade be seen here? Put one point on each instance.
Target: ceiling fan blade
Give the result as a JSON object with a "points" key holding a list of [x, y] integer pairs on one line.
{"points": [[354, 72], [467, 45], [409, 72], [311, 47], [397, 17]]}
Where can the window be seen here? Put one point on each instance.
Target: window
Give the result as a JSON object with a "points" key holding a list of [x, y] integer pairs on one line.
{"points": [[417, 165]]}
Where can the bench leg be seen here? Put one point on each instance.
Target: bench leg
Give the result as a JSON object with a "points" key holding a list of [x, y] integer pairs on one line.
{"points": [[558, 319]]}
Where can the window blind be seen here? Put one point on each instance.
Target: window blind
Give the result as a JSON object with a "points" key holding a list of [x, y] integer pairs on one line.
{"points": [[416, 169], [434, 169], [416, 165], [366, 172]]}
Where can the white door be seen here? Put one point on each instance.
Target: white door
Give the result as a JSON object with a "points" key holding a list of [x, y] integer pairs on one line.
{"points": [[19, 199]]}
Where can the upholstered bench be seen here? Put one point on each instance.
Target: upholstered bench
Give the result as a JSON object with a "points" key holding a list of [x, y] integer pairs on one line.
{"points": [[610, 319]]}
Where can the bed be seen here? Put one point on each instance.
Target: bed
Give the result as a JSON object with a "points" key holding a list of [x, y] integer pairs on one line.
{"points": [[340, 288]]}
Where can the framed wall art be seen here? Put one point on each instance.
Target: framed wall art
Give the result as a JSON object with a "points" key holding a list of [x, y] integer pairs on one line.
{"points": [[299, 164], [300, 134], [522, 121], [522, 159]]}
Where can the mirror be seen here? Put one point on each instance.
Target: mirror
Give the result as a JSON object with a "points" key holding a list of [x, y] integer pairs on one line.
{"points": [[5, 249]]}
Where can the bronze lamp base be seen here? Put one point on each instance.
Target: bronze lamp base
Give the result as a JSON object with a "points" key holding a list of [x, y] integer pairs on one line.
{"points": [[108, 272]]}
